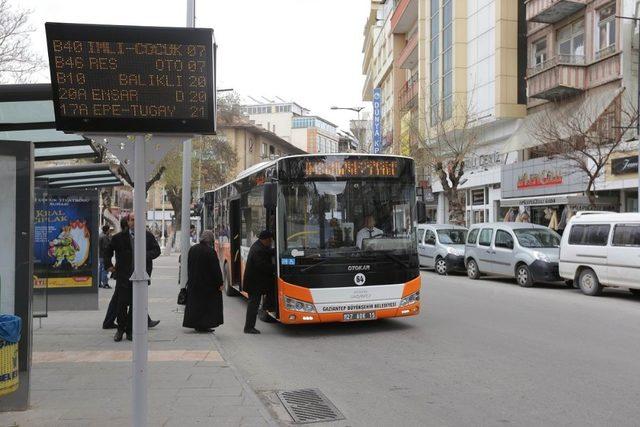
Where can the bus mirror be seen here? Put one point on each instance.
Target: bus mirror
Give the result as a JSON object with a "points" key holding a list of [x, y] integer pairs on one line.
{"points": [[270, 195], [421, 210]]}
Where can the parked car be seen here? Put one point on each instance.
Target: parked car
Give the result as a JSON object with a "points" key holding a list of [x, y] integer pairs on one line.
{"points": [[525, 251], [599, 250], [441, 247]]}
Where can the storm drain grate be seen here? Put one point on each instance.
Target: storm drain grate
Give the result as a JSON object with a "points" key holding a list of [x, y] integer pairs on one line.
{"points": [[309, 405]]}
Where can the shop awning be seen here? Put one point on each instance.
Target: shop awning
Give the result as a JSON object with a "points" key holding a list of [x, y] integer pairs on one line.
{"points": [[587, 108], [92, 175], [26, 114]]}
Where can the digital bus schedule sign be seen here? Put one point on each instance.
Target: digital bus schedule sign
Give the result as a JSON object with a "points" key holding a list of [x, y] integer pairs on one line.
{"points": [[351, 168], [109, 78]]}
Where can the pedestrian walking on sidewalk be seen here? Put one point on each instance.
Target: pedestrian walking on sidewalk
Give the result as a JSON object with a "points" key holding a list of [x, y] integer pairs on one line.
{"points": [[203, 310], [259, 277], [122, 245], [103, 243]]}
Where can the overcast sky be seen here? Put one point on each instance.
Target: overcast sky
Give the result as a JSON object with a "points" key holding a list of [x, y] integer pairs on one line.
{"points": [[308, 51]]}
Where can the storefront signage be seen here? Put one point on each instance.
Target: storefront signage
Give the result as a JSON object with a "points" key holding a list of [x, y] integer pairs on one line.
{"points": [[483, 160], [542, 179], [126, 79], [377, 120], [624, 165]]}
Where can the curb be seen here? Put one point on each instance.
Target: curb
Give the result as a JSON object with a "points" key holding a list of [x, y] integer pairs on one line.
{"points": [[264, 411]]}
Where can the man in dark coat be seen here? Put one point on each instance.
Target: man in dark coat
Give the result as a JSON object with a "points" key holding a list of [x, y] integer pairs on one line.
{"points": [[259, 277], [122, 245], [112, 310], [203, 310]]}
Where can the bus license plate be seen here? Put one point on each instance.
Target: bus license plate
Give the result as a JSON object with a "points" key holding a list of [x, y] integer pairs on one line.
{"points": [[367, 315]]}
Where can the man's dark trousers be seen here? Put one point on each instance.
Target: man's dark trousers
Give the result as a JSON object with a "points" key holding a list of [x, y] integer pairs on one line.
{"points": [[124, 306], [112, 310], [252, 310]]}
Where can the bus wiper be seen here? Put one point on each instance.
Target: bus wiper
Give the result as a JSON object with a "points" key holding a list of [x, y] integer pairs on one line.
{"points": [[304, 270], [397, 260]]}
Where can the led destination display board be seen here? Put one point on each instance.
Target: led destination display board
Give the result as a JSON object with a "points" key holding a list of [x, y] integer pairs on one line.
{"points": [[351, 168], [127, 79]]}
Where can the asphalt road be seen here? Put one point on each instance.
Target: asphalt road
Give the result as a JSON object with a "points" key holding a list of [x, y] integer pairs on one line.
{"points": [[481, 353]]}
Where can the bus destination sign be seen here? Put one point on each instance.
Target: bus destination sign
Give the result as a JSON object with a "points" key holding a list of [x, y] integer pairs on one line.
{"points": [[351, 168], [108, 78]]}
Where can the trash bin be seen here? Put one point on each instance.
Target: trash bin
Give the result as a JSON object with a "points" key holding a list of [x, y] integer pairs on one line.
{"points": [[9, 336]]}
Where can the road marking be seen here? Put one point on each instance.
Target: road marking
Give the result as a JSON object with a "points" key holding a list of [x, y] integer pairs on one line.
{"points": [[125, 356]]}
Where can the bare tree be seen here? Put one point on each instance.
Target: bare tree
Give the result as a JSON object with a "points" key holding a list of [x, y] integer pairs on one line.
{"points": [[440, 144], [584, 135], [17, 61]]}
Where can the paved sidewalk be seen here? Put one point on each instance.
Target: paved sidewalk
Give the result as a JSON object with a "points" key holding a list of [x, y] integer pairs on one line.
{"points": [[81, 377]]}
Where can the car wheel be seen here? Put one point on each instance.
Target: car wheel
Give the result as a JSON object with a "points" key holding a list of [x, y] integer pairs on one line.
{"points": [[472, 269], [523, 276], [589, 283], [441, 266], [228, 289], [636, 292]]}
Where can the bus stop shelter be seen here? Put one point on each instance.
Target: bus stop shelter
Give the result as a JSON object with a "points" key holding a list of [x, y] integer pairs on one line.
{"points": [[27, 136]]}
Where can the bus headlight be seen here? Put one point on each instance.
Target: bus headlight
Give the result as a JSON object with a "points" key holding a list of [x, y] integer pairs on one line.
{"points": [[410, 299], [297, 305]]}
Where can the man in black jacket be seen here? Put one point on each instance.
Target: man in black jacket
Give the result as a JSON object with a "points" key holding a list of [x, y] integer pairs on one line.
{"points": [[259, 277], [122, 245]]}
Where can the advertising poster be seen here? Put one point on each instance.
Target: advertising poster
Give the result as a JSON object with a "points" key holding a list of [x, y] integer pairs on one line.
{"points": [[63, 252]]}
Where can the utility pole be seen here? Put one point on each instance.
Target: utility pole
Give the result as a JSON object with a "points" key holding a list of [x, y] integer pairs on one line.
{"points": [[186, 177]]}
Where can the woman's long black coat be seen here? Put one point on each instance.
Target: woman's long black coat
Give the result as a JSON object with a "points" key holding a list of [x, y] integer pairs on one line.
{"points": [[204, 298]]}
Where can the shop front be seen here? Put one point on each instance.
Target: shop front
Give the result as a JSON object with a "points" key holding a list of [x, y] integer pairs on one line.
{"points": [[547, 192]]}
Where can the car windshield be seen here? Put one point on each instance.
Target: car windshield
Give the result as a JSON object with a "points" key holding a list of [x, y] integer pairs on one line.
{"points": [[452, 236], [537, 238], [354, 217]]}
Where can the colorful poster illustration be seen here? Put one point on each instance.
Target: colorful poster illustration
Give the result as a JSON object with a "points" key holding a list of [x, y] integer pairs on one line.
{"points": [[63, 244]]}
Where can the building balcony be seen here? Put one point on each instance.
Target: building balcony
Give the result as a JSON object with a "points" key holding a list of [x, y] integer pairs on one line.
{"points": [[552, 11], [408, 57], [560, 77], [408, 95], [404, 16]]}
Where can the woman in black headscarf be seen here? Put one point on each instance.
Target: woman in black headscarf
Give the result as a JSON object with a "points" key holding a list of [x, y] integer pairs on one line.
{"points": [[203, 310]]}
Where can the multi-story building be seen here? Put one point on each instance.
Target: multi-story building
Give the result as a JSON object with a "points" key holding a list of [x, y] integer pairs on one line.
{"points": [[455, 62], [377, 67], [293, 123], [582, 65], [275, 117], [314, 134], [254, 144]]}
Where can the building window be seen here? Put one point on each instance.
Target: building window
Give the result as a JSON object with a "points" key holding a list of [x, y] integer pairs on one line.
{"points": [[539, 52], [447, 59], [263, 150], [606, 30], [434, 87], [571, 43]]}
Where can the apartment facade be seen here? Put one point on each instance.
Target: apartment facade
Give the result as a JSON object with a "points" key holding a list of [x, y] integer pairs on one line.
{"points": [[275, 117], [254, 144], [582, 63]]}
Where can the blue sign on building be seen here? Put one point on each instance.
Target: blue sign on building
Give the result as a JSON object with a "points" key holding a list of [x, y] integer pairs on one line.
{"points": [[377, 120]]}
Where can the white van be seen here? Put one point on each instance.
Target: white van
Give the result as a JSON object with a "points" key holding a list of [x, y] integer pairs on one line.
{"points": [[599, 250]]}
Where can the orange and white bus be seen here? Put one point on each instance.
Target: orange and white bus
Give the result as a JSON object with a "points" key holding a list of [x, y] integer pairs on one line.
{"points": [[344, 227]]}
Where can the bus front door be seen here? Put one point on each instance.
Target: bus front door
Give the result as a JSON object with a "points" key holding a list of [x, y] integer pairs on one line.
{"points": [[234, 224]]}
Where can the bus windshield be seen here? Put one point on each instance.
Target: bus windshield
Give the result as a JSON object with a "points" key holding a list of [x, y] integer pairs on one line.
{"points": [[352, 217]]}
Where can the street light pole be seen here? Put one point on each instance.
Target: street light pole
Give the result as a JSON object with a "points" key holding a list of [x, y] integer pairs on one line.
{"points": [[162, 237], [356, 109]]}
